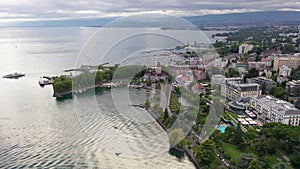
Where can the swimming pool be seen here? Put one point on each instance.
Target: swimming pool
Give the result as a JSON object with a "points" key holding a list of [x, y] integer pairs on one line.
{"points": [[222, 128]]}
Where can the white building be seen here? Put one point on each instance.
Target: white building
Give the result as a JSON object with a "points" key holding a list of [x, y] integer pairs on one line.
{"points": [[284, 71], [236, 91], [245, 48], [271, 109]]}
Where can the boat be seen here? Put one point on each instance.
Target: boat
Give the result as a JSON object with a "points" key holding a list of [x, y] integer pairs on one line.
{"points": [[14, 75], [118, 153], [43, 82]]}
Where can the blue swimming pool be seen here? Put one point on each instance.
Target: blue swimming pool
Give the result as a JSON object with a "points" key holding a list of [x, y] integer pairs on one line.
{"points": [[222, 128]]}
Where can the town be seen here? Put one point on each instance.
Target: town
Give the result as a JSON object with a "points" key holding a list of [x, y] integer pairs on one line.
{"points": [[254, 71]]}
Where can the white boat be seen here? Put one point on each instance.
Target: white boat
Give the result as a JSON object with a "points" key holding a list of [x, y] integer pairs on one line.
{"points": [[43, 82]]}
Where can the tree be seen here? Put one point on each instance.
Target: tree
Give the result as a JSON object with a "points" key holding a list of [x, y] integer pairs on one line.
{"points": [[206, 152], [229, 133], [238, 135], [147, 103], [288, 48], [250, 134], [280, 93], [157, 86], [297, 104], [264, 88], [281, 166], [166, 114], [251, 73], [295, 160], [272, 90], [176, 137], [245, 160], [148, 81], [233, 73], [255, 164]]}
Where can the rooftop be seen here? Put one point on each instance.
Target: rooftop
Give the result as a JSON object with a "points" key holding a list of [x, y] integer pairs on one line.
{"points": [[286, 108]]}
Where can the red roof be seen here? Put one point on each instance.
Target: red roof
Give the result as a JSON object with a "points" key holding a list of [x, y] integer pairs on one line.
{"points": [[265, 59], [198, 86]]}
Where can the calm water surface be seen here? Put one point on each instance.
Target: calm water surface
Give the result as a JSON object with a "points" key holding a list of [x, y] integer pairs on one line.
{"points": [[36, 130]]}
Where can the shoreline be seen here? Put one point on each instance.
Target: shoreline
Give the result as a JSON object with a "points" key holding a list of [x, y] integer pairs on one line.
{"points": [[186, 151]]}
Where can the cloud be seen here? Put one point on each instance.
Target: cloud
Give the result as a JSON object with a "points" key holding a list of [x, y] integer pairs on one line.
{"points": [[40, 10]]}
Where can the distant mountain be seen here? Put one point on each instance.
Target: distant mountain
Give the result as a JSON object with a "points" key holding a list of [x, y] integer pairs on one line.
{"points": [[285, 17], [266, 17]]}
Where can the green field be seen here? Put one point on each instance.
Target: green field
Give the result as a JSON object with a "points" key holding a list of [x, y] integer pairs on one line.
{"points": [[232, 151]]}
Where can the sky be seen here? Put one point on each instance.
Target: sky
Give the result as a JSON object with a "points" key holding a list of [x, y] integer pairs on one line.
{"points": [[13, 11]]}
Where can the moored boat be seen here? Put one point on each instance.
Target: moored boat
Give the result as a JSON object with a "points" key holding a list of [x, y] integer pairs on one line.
{"points": [[14, 75]]}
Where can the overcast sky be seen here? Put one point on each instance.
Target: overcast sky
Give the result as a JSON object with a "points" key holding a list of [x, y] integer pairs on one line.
{"points": [[37, 10]]}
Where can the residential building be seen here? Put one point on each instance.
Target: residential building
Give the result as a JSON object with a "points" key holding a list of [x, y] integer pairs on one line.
{"points": [[217, 79], [288, 60], [155, 74], [293, 88], [235, 90], [198, 88], [284, 71], [257, 65], [265, 83], [267, 61], [199, 74], [245, 48], [271, 109]]}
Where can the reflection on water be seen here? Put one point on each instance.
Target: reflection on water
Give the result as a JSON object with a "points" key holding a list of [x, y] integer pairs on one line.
{"points": [[36, 130]]}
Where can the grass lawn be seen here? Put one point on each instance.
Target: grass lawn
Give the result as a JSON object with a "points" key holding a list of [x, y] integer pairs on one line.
{"points": [[233, 152]]}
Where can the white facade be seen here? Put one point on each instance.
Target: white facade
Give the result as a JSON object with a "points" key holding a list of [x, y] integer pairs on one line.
{"points": [[271, 109], [245, 48], [236, 91], [284, 71]]}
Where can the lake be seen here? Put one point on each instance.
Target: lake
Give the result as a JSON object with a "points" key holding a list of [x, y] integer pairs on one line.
{"points": [[37, 130]]}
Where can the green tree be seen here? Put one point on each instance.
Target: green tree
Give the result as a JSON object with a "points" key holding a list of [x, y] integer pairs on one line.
{"points": [[238, 135], [295, 160], [158, 86], [166, 114], [229, 133], [255, 164], [288, 48], [147, 103], [245, 160], [250, 134], [206, 152], [148, 81], [233, 72]]}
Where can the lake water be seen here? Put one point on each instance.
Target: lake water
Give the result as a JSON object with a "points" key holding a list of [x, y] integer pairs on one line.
{"points": [[36, 130]]}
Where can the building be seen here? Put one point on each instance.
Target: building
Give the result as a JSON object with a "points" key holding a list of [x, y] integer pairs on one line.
{"points": [[267, 61], [271, 109], [257, 65], [293, 88], [198, 88], [217, 79], [284, 71], [183, 80], [199, 74], [155, 74], [289, 61], [245, 48], [262, 81], [236, 91]]}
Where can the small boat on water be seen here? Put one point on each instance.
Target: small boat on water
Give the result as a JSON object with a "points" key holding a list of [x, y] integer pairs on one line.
{"points": [[44, 81], [118, 153], [14, 75]]}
